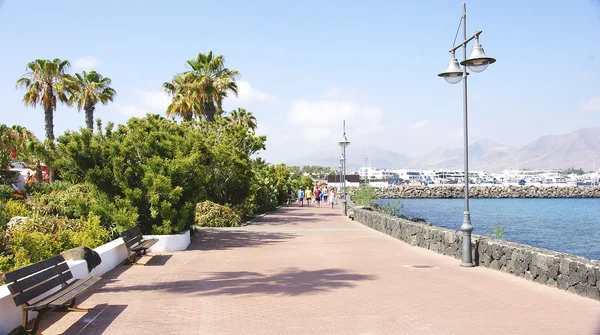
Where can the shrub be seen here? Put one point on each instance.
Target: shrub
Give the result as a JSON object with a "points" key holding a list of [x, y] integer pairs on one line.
{"points": [[42, 237], [37, 189], [39, 238], [210, 214], [392, 207], [14, 208], [365, 196], [90, 234], [79, 201], [6, 192], [497, 232]]}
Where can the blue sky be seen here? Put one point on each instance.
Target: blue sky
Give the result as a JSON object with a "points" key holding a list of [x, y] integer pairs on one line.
{"points": [[306, 65]]}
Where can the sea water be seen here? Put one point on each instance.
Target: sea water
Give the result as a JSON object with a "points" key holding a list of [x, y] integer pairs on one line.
{"points": [[565, 225]]}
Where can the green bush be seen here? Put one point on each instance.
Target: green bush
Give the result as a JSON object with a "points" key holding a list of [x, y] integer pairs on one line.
{"points": [[210, 214], [14, 208], [6, 192], [392, 207], [37, 189], [497, 232], [365, 196], [163, 168], [90, 234], [79, 201], [42, 237]]}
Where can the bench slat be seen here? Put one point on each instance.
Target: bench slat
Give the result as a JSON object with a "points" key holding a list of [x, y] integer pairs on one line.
{"points": [[28, 295], [74, 293], [40, 277], [144, 245], [43, 304], [150, 242], [33, 268], [129, 241]]}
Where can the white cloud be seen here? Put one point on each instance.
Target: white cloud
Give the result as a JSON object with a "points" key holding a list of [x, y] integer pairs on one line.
{"points": [[592, 105], [154, 102], [418, 124], [85, 63], [316, 120], [157, 100], [583, 75], [132, 110], [248, 93]]}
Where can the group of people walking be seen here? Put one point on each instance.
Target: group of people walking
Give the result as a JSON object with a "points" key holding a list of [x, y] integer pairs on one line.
{"points": [[323, 194]]}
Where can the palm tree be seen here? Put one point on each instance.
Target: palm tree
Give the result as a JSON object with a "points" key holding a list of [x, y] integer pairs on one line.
{"points": [[243, 117], [46, 82], [90, 89], [212, 81], [185, 98]]}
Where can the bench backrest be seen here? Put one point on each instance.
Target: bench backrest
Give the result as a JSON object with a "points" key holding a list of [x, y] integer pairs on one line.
{"points": [[36, 279], [132, 236]]}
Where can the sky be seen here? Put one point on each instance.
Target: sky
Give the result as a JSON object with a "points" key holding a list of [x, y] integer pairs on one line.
{"points": [[307, 65]]}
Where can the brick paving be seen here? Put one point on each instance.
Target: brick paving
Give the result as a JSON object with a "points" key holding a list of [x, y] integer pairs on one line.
{"points": [[313, 271]]}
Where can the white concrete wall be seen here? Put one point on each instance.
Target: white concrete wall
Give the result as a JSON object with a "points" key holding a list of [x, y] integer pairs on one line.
{"points": [[170, 242], [112, 253]]}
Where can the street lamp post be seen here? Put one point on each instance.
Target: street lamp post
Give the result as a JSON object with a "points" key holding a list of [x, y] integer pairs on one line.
{"points": [[344, 143], [478, 62], [340, 175]]}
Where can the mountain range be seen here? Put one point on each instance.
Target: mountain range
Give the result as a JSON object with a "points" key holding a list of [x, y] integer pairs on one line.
{"points": [[576, 149]]}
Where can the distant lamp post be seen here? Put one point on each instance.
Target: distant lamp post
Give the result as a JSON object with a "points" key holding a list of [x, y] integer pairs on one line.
{"points": [[478, 62], [340, 174], [344, 143]]}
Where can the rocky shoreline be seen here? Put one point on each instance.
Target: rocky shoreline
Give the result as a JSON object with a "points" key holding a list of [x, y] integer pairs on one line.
{"points": [[449, 192]]}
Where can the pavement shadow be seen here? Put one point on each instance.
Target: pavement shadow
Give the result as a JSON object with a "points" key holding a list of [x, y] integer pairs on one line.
{"points": [[221, 239], [96, 321], [287, 282], [158, 260]]}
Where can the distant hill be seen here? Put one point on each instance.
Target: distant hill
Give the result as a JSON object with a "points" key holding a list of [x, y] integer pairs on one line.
{"points": [[576, 149], [356, 157]]}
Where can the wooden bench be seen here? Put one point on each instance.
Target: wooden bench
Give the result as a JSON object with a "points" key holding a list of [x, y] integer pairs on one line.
{"points": [[135, 243], [33, 282]]}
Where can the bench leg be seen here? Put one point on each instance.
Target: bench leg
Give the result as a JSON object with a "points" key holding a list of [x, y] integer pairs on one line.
{"points": [[72, 307], [36, 322]]}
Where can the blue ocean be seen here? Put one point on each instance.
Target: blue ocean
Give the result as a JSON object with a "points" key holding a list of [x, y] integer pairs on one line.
{"points": [[565, 225]]}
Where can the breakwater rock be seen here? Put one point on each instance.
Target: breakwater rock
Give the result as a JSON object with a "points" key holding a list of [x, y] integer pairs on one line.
{"points": [[449, 192]]}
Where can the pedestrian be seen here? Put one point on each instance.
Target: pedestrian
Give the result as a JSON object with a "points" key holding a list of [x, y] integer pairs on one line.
{"points": [[289, 196], [309, 196], [321, 194], [332, 197], [325, 195], [318, 197], [301, 197]]}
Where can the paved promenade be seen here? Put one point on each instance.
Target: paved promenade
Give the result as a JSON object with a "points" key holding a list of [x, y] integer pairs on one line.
{"points": [[313, 271]]}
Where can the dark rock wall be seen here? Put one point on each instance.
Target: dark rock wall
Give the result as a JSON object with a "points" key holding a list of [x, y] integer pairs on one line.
{"points": [[564, 271], [441, 192]]}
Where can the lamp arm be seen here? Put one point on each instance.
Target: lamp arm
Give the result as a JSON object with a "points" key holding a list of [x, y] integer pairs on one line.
{"points": [[464, 43]]}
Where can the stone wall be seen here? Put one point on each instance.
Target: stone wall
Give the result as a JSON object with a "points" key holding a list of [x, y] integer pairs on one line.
{"points": [[567, 272], [441, 192]]}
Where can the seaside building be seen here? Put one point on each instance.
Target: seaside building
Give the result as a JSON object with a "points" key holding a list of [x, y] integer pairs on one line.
{"points": [[374, 173]]}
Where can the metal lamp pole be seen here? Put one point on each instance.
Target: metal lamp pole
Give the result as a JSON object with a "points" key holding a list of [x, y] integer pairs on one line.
{"points": [[344, 143], [454, 74]]}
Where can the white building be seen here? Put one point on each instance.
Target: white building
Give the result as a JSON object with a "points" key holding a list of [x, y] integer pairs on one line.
{"points": [[411, 175], [374, 173]]}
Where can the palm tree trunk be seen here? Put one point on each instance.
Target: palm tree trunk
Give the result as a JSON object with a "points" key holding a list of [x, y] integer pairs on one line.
{"points": [[209, 110], [49, 115], [89, 116]]}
